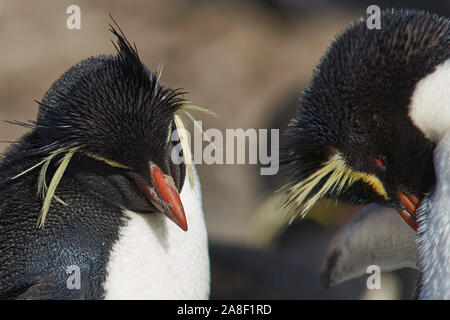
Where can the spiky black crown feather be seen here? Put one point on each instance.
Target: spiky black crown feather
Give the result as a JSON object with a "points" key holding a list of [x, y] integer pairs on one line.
{"points": [[110, 105]]}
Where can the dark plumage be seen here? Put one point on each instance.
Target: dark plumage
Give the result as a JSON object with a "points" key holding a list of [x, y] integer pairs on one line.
{"points": [[357, 105], [120, 117], [84, 105], [363, 133]]}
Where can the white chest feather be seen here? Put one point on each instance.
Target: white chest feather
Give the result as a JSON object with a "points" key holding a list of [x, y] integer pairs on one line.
{"points": [[155, 259], [430, 103], [434, 229], [430, 111]]}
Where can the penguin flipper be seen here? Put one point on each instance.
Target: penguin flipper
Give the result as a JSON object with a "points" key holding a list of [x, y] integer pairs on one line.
{"points": [[45, 288], [375, 235], [38, 291]]}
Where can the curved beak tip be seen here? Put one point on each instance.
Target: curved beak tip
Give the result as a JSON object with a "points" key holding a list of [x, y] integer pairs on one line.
{"points": [[171, 203], [183, 226]]}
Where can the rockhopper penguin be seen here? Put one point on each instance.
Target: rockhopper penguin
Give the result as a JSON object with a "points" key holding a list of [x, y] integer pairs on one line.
{"points": [[367, 131], [90, 188]]}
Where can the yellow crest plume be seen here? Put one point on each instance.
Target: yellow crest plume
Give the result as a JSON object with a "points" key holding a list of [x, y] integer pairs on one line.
{"points": [[181, 129], [338, 176], [184, 106], [48, 192]]}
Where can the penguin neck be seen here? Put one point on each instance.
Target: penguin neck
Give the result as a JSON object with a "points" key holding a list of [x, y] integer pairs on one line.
{"points": [[430, 112], [434, 230], [154, 259]]}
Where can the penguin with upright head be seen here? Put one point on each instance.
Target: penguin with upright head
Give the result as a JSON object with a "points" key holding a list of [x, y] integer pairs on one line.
{"points": [[87, 196], [367, 128]]}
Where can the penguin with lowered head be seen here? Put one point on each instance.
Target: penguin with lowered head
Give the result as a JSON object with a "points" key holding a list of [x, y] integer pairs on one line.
{"points": [[92, 205], [371, 127]]}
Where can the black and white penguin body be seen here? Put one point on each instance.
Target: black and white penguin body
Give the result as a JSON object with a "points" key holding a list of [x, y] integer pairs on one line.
{"points": [[182, 271], [375, 237], [88, 192], [369, 129]]}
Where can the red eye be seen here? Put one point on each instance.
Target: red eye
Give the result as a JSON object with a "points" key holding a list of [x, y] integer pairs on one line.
{"points": [[380, 162]]}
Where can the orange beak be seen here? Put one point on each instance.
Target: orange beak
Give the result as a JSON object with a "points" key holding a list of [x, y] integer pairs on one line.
{"points": [[408, 213], [164, 196]]}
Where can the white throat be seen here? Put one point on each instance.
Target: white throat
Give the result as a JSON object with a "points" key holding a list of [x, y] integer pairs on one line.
{"points": [[430, 103], [154, 259]]}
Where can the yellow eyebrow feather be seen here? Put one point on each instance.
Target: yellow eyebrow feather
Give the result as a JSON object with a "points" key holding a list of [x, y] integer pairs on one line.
{"points": [[48, 192], [53, 184], [112, 163], [340, 176]]}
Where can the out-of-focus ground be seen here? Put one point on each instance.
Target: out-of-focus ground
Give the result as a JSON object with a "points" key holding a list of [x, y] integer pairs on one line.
{"points": [[245, 60]]}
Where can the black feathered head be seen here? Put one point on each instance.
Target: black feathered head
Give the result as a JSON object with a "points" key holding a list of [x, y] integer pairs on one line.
{"points": [[110, 124], [113, 106], [353, 138]]}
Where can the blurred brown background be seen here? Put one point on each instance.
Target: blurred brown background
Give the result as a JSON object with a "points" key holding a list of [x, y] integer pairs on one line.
{"points": [[246, 61]]}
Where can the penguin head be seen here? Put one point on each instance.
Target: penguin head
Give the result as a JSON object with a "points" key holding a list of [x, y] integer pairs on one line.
{"points": [[353, 138], [111, 123]]}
